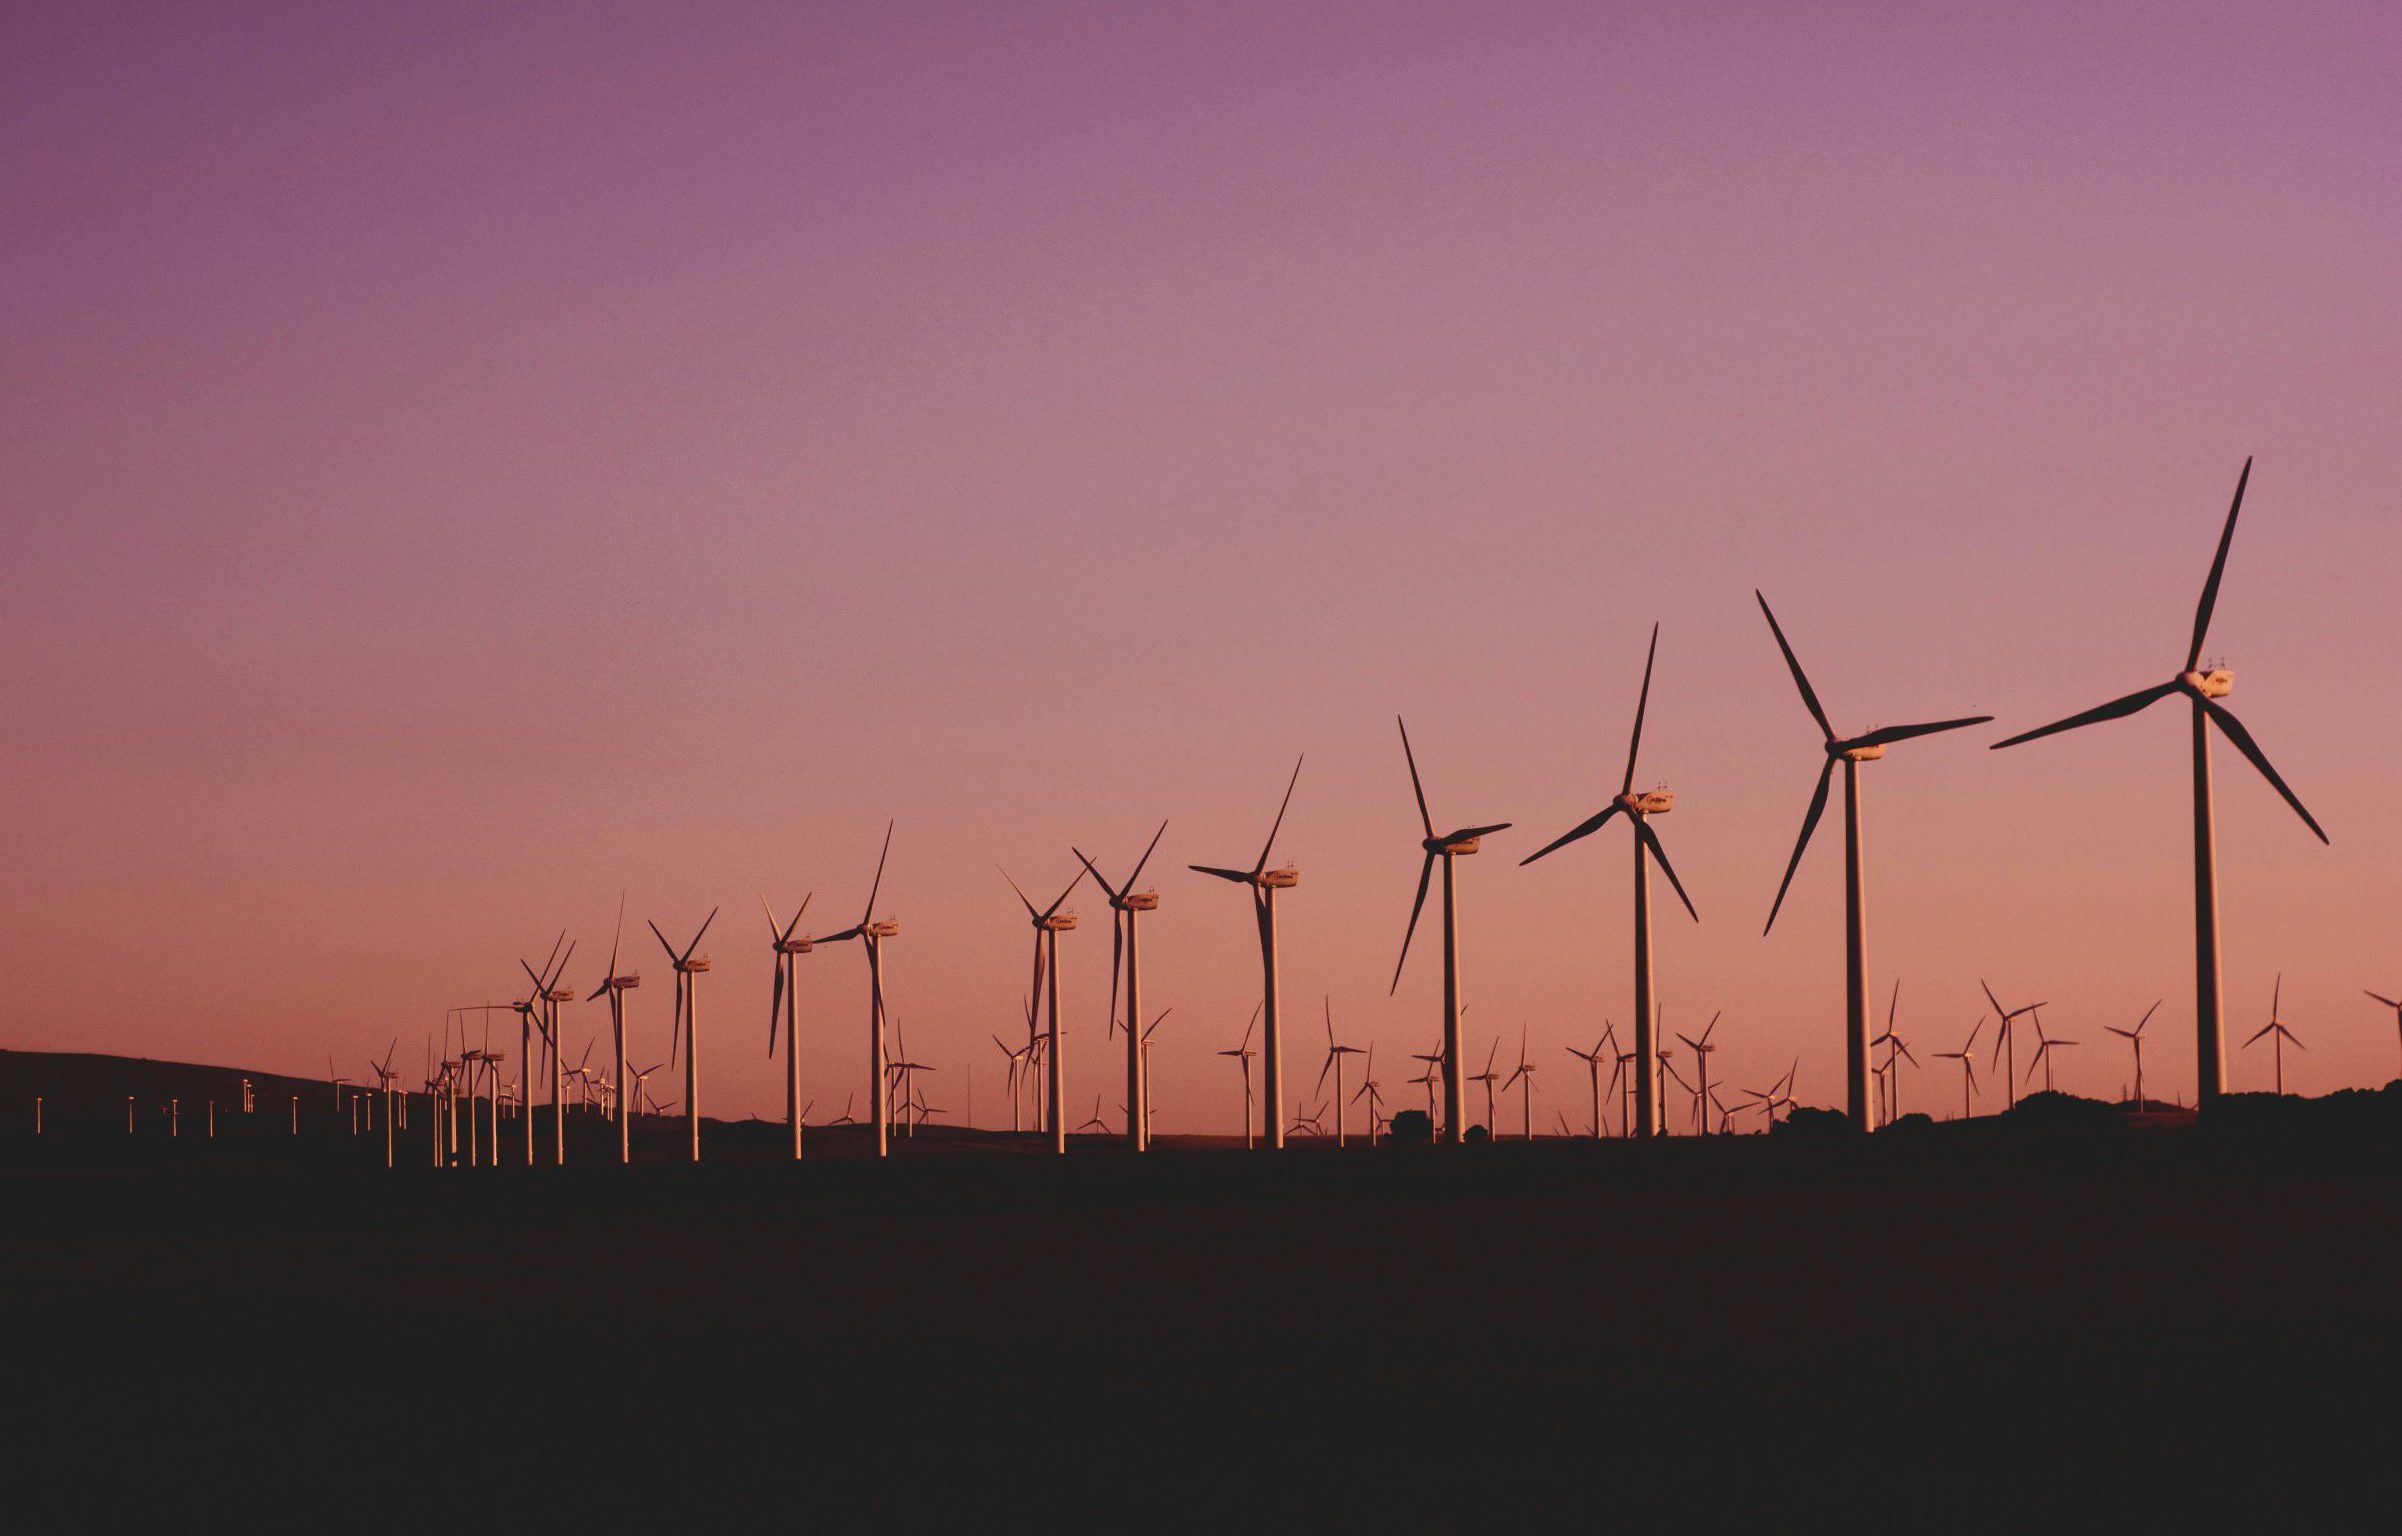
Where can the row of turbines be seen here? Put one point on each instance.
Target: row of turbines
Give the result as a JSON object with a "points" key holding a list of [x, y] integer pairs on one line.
{"points": [[2203, 687]]}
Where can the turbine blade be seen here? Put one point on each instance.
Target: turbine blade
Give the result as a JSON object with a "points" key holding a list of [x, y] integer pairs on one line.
{"points": [[1426, 873], [1464, 833], [1054, 907], [1585, 828], [2218, 568], [1146, 858], [1239, 876], [1113, 891], [2381, 997], [1893, 733], [662, 938], [1651, 840], [775, 1008], [1809, 697], [2234, 731], [696, 938], [1269, 846], [1642, 701], [2100, 712], [1415, 787], [1013, 885], [1818, 805]]}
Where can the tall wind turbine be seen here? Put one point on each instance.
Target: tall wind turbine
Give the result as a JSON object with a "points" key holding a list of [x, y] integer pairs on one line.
{"points": [[2203, 689], [2134, 1037], [1265, 883], [1049, 924], [1126, 953], [784, 1008], [688, 1020], [2279, 1035], [871, 935], [614, 986], [1851, 752], [1639, 808], [1448, 848]]}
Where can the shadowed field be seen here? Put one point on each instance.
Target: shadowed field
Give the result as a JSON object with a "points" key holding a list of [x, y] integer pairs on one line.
{"points": [[1971, 1329]]}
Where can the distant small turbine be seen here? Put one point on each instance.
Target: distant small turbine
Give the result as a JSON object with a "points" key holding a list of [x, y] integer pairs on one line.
{"points": [[1242, 1055], [871, 935], [1334, 1063], [2044, 1046], [1968, 1065], [2134, 1037], [2397, 1007], [1702, 1049], [1524, 1073], [2281, 1036], [2005, 1050], [1592, 1061], [614, 986]]}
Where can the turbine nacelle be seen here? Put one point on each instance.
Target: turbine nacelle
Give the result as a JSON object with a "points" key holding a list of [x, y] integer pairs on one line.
{"points": [[1850, 753], [795, 946], [1651, 802], [1456, 844], [883, 929], [2216, 683], [1057, 922], [692, 967], [1278, 879], [1138, 901]]}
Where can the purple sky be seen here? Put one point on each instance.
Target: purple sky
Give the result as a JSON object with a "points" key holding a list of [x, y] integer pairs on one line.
{"points": [[461, 464]]}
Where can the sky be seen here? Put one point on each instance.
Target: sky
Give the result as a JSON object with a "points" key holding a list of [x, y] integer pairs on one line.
{"points": [[461, 465]]}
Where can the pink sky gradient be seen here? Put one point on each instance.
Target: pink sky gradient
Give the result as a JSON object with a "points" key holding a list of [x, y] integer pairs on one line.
{"points": [[459, 464]]}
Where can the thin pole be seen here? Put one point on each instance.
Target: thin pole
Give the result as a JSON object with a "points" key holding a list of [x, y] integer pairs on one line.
{"points": [[1855, 957], [792, 1051], [1452, 1129], [1058, 1069], [1271, 1119], [1138, 1115], [558, 1093], [692, 1063], [1647, 1104], [2210, 1045], [525, 1075], [879, 1097]]}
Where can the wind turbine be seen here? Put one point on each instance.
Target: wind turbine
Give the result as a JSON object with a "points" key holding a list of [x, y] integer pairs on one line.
{"points": [[1125, 952], [871, 935], [2280, 1035], [1851, 752], [1447, 848], [2044, 1046], [1701, 1065], [614, 987], [1592, 1061], [1968, 1065], [1242, 1055], [1334, 1063], [384, 1076], [2005, 1048], [784, 1008], [2203, 689], [1094, 1122], [2134, 1037], [1488, 1077], [1639, 809], [688, 1020], [1016, 1059], [1149, 1030], [1049, 924], [1373, 1092], [2397, 1007], [1524, 1073], [1265, 883], [549, 994]]}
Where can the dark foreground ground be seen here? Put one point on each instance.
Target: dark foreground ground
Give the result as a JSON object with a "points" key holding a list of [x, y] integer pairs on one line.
{"points": [[2182, 1326]]}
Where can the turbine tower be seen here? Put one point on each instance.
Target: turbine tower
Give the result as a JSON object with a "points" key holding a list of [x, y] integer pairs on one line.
{"points": [[1126, 953], [1851, 752], [2203, 689], [871, 935], [1448, 848], [549, 994], [1265, 883], [1049, 924], [1639, 808], [614, 987], [688, 1019], [784, 1008]]}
